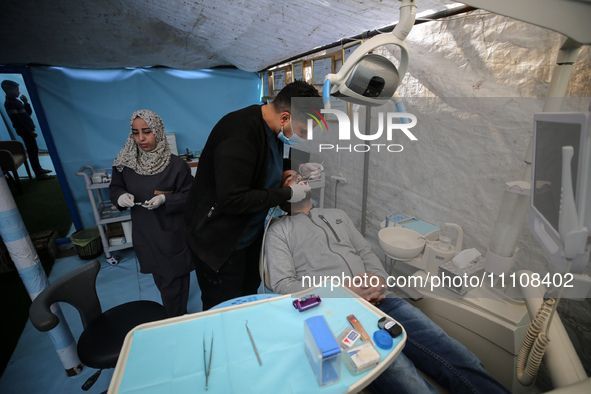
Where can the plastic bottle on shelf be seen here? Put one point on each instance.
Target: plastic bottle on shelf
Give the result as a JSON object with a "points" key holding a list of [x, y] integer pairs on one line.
{"points": [[388, 216]]}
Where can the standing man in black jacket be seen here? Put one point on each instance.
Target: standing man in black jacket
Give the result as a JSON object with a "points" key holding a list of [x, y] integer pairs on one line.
{"points": [[237, 181], [20, 115]]}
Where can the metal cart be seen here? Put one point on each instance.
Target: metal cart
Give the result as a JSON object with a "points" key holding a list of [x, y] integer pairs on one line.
{"points": [[104, 211]]}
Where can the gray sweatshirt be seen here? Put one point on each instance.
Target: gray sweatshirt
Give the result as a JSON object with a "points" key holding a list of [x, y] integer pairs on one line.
{"points": [[323, 244]]}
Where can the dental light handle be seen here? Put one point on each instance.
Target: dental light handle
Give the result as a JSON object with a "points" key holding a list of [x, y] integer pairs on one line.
{"points": [[572, 235], [408, 13]]}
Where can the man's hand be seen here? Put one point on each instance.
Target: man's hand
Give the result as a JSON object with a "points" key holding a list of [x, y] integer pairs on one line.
{"points": [[372, 294], [24, 99], [311, 170], [298, 192]]}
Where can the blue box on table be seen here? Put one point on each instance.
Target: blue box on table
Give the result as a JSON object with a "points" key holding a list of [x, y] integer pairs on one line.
{"points": [[323, 351]]}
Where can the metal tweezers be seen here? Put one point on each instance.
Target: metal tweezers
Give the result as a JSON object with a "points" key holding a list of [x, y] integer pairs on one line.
{"points": [[253, 345], [207, 366]]}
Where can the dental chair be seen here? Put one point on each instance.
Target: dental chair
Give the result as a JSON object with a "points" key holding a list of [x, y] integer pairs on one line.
{"points": [[12, 156], [100, 343], [263, 267], [264, 273]]}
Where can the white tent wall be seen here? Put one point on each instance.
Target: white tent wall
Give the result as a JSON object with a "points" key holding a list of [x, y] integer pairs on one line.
{"points": [[182, 34], [474, 82], [88, 111]]}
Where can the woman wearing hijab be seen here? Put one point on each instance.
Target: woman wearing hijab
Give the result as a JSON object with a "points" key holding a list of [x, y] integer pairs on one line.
{"points": [[154, 183]]}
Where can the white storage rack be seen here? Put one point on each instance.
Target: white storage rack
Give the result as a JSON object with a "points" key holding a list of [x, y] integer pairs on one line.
{"points": [[104, 211]]}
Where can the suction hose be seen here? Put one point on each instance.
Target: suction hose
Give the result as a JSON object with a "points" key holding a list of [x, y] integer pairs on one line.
{"points": [[534, 345], [400, 108], [326, 93]]}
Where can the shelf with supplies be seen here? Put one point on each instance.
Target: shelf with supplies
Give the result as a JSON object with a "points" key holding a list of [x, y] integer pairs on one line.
{"points": [[110, 214], [106, 214]]}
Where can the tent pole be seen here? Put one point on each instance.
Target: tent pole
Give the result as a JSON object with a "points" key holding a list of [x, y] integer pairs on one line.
{"points": [[26, 260], [365, 173]]}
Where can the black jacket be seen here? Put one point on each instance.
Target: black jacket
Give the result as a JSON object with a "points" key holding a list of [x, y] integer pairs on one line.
{"points": [[20, 115], [229, 186]]}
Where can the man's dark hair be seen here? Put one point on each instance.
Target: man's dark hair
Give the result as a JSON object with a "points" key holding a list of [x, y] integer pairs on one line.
{"points": [[282, 102], [8, 84]]}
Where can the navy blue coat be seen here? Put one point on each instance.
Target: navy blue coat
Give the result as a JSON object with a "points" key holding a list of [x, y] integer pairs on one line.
{"points": [[158, 236]]}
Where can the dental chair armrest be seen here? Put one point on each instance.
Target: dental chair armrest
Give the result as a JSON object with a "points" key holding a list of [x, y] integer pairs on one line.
{"points": [[580, 387], [41, 314]]}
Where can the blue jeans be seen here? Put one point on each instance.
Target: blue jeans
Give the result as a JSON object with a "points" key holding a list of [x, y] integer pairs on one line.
{"points": [[430, 349]]}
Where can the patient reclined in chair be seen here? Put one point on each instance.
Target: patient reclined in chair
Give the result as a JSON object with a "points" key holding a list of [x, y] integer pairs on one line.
{"points": [[319, 243]]}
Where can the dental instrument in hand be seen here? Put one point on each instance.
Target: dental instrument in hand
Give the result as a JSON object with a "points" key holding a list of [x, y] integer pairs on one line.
{"points": [[253, 345]]}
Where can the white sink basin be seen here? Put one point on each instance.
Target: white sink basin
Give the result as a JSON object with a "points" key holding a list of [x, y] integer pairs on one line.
{"points": [[401, 243]]}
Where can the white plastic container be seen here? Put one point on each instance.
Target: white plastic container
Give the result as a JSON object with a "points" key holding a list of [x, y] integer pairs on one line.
{"points": [[358, 356], [127, 230]]}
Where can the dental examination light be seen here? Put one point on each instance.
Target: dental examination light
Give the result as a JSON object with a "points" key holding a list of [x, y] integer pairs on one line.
{"points": [[370, 79]]}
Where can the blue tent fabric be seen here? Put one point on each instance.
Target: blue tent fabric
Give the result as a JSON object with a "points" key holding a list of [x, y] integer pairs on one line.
{"points": [[5, 133], [88, 111]]}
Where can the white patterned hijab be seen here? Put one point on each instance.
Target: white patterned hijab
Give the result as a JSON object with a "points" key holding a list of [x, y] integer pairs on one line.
{"points": [[145, 163]]}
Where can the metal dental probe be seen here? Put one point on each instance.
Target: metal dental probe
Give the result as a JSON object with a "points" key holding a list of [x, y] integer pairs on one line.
{"points": [[207, 367], [253, 345]]}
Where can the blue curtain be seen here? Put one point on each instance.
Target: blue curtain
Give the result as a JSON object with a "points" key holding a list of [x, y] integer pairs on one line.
{"points": [[88, 111], [5, 134]]}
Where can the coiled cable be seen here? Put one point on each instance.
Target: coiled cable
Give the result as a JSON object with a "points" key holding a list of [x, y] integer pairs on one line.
{"points": [[534, 345]]}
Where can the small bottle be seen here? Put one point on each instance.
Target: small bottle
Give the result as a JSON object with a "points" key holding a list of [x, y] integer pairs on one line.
{"points": [[388, 214], [393, 328]]}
